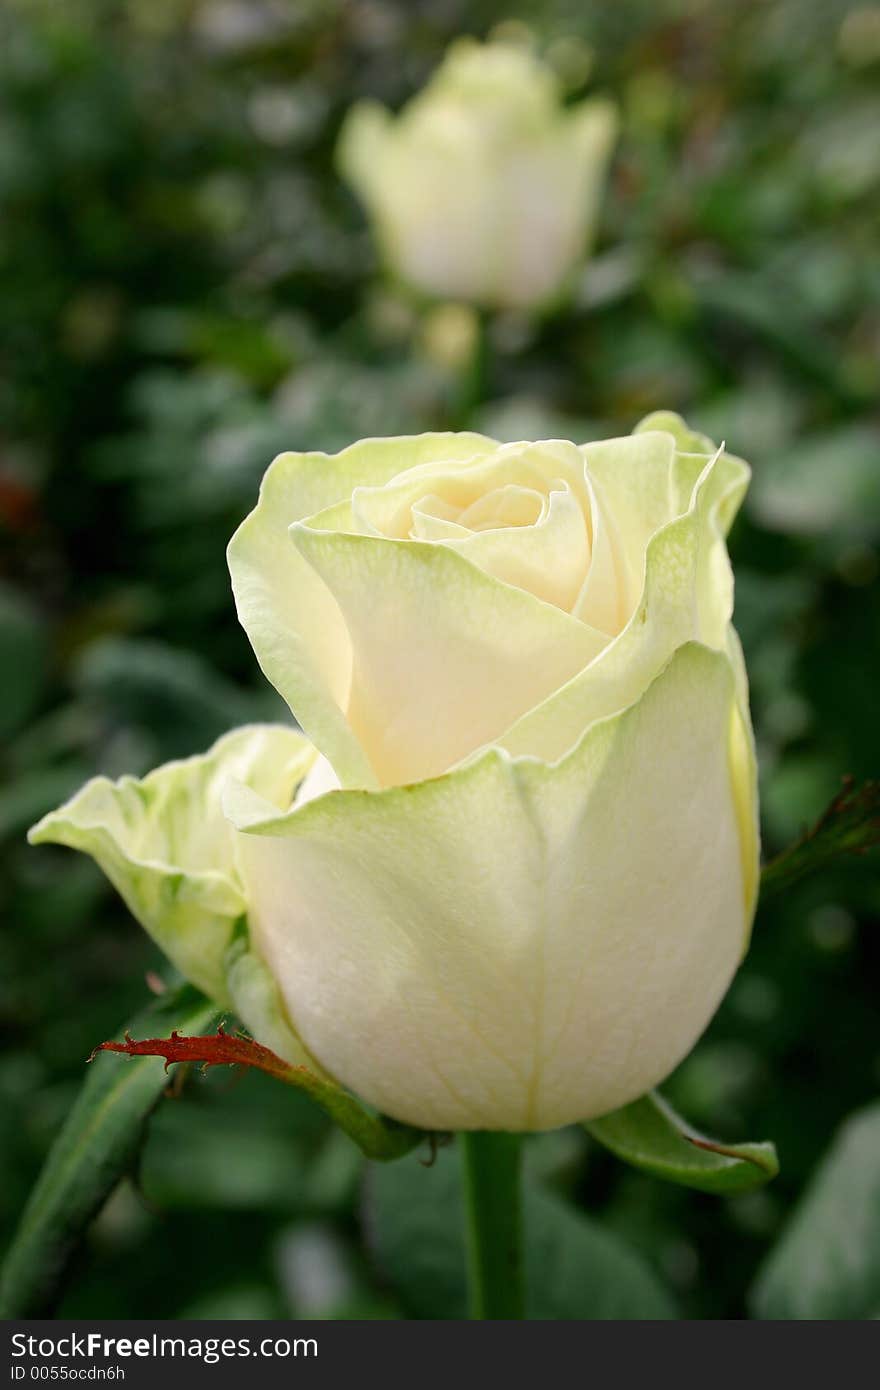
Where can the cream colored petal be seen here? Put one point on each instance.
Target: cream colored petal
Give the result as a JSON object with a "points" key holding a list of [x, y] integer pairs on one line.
{"points": [[591, 130], [687, 595], [254, 995], [693, 450], [605, 598], [549, 192], [514, 945], [521, 513], [549, 559], [166, 846], [687, 441], [363, 145], [444, 656], [463, 484], [506, 505], [744, 771], [435, 209], [633, 476], [512, 505], [648, 479], [291, 618], [319, 780]]}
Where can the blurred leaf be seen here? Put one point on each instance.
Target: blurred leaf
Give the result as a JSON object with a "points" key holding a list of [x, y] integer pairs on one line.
{"points": [[827, 484], [578, 1270], [826, 1266], [849, 825], [764, 308], [197, 1158], [98, 1144], [574, 1269], [843, 162], [649, 1135], [25, 799], [24, 659], [169, 691]]}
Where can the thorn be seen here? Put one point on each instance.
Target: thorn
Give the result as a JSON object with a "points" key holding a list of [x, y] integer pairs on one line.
{"points": [[433, 1145], [174, 1090]]}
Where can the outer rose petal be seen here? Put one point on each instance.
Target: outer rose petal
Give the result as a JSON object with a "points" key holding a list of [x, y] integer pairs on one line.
{"points": [[363, 145], [291, 618], [515, 945], [549, 203], [256, 999], [167, 848]]}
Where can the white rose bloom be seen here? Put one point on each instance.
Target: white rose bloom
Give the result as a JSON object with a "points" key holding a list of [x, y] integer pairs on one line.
{"points": [[516, 883], [485, 187]]}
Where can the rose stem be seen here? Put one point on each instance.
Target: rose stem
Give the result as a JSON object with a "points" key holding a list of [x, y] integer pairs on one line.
{"points": [[493, 1224], [474, 377]]}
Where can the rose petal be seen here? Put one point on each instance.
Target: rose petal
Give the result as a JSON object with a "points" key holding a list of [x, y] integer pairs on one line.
{"points": [[293, 623], [687, 595], [444, 657], [166, 847], [479, 951]]}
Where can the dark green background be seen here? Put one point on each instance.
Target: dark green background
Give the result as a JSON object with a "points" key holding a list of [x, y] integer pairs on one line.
{"points": [[185, 288]]}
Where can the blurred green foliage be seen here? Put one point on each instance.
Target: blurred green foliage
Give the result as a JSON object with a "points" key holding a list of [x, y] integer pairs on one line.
{"points": [[185, 288]]}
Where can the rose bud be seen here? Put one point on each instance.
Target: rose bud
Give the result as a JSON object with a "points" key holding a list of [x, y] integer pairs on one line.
{"points": [[485, 188]]}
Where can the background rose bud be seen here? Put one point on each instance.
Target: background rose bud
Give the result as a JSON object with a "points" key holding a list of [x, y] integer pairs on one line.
{"points": [[485, 187], [514, 889], [167, 848]]}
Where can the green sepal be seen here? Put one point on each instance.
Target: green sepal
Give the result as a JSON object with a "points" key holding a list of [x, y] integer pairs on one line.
{"points": [[649, 1135]]}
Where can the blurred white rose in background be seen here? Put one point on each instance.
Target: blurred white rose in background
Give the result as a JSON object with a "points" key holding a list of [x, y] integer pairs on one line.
{"points": [[486, 187]]}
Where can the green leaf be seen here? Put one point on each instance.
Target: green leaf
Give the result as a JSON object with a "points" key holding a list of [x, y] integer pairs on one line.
{"points": [[649, 1135], [763, 307], [97, 1145], [578, 1270], [826, 1266], [850, 824], [414, 1219], [168, 691], [828, 484]]}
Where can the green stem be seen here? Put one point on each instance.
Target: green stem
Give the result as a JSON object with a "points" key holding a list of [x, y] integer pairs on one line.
{"points": [[474, 379], [493, 1217]]}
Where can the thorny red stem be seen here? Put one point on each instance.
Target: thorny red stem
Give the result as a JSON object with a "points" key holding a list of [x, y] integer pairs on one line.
{"points": [[213, 1050], [378, 1137]]}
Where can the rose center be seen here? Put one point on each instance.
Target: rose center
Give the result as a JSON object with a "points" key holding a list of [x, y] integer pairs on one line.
{"points": [[508, 506]]}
